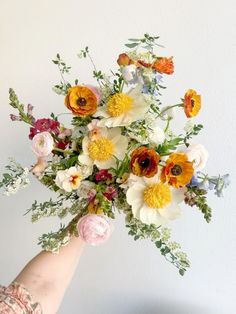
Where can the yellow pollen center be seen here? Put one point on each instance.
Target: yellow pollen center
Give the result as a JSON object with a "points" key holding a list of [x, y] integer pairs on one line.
{"points": [[100, 149], [119, 103], [74, 179], [157, 195]]}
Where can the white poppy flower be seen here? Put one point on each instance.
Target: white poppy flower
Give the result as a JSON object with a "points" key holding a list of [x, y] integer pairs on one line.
{"points": [[153, 202], [101, 151], [122, 109]]}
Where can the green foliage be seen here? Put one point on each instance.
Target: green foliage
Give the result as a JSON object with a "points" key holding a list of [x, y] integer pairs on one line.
{"points": [[161, 238], [63, 86], [147, 42], [15, 103], [189, 134], [196, 196]]}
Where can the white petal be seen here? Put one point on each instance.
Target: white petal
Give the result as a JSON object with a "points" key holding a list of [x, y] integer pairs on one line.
{"points": [[151, 216], [177, 195], [170, 212]]}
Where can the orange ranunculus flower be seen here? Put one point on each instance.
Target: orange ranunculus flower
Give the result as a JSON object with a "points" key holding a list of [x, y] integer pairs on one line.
{"points": [[164, 65], [144, 64], [192, 103], [81, 101], [178, 171], [144, 161], [124, 59]]}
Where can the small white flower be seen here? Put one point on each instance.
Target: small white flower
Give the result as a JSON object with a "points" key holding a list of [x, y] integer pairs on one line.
{"points": [[69, 179], [86, 187], [156, 134], [198, 155], [129, 73]]}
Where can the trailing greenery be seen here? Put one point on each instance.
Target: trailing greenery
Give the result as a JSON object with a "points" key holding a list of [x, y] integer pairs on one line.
{"points": [[161, 238]]}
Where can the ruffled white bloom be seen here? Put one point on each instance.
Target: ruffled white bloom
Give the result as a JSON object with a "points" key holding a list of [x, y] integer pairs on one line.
{"points": [[152, 201], [122, 109], [101, 150], [42, 144], [156, 134], [129, 73], [198, 154], [70, 179]]}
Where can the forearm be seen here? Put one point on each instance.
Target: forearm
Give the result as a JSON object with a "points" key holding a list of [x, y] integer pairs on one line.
{"points": [[47, 275]]}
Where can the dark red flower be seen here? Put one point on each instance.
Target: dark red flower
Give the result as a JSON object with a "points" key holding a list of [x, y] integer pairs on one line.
{"points": [[103, 175]]}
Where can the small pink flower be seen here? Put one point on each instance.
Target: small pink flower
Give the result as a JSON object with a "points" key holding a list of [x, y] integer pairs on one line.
{"points": [[42, 144], [13, 117], [94, 229], [110, 192], [96, 91], [64, 133], [103, 175]]}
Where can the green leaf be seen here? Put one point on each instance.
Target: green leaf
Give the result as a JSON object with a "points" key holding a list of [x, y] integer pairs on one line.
{"points": [[131, 45], [158, 244]]}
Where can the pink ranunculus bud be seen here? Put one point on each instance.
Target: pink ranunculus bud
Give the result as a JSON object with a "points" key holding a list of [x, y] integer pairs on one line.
{"points": [[15, 118], [42, 144], [30, 109], [94, 229]]}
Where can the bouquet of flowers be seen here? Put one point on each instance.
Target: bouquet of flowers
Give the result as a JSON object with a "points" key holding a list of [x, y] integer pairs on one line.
{"points": [[118, 155]]}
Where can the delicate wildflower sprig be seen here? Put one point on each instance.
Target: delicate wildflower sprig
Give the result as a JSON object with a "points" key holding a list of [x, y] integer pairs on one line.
{"points": [[15, 179], [25, 116], [147, 42], [61, 89], [197, 197], [161, 237]]}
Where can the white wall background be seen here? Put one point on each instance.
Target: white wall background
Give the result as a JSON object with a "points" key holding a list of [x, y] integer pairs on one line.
{"points": [[123, 276]]}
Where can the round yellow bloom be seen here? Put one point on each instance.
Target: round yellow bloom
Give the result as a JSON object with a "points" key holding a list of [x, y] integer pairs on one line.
{"points": [[157, 195], [100, 149], [118, 104]]}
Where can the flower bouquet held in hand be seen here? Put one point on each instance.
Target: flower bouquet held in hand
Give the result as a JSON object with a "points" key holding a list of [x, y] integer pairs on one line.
{"points": [[119, 154]]}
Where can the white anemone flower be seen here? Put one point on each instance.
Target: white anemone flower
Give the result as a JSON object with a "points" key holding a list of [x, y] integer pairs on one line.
{"points": [[122, 109], [102, 150], [153, 202]]}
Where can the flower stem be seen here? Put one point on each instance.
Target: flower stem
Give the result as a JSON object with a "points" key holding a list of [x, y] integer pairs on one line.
{"points": [[170, 107], [62, 151]]}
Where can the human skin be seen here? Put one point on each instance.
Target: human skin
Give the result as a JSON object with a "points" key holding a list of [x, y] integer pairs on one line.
{"points": [[48, 275]]}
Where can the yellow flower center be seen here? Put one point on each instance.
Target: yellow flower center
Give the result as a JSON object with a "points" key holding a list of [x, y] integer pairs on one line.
{"points": [[157, 195], [74, 179], [119, 103], [100, 149]]}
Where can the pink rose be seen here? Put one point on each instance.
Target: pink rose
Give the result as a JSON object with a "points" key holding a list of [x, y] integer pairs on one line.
{"points": [[94, 229], [42, 144]]}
